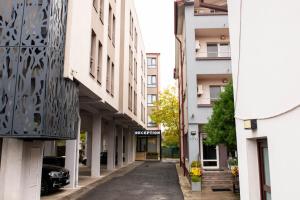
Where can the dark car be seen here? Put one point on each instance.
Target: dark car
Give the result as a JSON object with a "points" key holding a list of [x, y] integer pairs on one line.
{"points": [[54, 160], [54, 175]]}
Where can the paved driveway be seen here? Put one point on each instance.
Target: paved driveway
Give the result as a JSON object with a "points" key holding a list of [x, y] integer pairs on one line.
{"points": [[150, 181]]}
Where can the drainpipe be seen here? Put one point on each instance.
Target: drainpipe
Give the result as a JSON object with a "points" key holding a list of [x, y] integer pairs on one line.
{"points": [[181, 110]]}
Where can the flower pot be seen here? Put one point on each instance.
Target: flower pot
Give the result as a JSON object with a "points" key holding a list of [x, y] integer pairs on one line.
{"points": [[196, 186]]}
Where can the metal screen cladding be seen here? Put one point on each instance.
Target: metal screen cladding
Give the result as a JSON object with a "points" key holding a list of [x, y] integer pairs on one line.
{"points": [[35, 100]]}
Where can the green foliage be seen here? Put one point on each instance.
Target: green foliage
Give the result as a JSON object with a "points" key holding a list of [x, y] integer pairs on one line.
{"points": [[167, 114], [195, 179], [221, 126], [196, 164], [233, 162]]}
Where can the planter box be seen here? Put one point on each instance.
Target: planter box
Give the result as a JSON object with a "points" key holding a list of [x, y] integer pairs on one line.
{"points": [[196, 186]]}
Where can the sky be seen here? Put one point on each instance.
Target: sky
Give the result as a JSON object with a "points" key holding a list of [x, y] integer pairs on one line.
{"points": [[156, 19]]}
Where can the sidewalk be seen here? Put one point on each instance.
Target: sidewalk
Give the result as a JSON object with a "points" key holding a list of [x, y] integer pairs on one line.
{"points": [[205, 194], [87, 183]]}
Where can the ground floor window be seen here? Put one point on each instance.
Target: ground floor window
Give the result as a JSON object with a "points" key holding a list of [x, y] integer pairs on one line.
{"points": [[264, 168], [148, 147]]}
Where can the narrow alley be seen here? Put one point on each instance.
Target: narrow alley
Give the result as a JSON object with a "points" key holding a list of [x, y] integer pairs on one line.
{"points": [[150, 181]]}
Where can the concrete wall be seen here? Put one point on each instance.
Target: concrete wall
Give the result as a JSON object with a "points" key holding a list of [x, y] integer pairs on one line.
{"points": [[125, 75], [259, 61], [78, 50]]}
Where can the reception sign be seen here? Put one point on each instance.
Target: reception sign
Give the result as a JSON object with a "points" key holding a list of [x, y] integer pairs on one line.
{"points": [[150, 132]]}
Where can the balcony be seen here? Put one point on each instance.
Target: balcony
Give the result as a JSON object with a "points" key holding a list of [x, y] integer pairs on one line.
{"points": [[211, 55]]}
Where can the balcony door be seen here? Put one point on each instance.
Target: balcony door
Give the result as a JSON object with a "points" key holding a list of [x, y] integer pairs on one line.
{"points": [[209, 154], [264, 168]]}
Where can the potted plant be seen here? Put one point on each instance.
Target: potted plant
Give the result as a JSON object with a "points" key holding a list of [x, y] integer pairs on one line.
{"points": [[195, 174]]}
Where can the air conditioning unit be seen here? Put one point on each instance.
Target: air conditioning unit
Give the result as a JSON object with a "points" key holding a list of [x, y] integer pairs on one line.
{"points": [[200, 90]]}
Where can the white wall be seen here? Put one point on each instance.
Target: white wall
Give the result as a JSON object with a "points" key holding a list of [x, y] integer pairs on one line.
{"points": [[265, 75]]}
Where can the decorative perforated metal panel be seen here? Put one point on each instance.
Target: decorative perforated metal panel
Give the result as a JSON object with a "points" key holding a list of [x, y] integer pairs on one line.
{"points": [[35, 100]]}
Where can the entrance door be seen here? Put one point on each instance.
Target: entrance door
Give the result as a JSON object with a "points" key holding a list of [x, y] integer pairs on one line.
{"points": [[264, 168], [209, 154]]}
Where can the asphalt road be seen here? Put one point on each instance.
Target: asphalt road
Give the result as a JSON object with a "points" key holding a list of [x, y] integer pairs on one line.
{"points": [[149, 181]]}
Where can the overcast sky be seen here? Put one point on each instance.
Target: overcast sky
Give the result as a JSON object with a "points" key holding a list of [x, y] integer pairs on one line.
{"points": [[156, 19]]}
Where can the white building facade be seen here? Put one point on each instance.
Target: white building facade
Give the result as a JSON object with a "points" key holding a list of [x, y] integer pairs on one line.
{"points": [[265, 46], [102, 58]]}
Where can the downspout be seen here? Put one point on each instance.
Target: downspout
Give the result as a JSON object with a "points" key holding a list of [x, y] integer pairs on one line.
{"points": [[182, 102]]}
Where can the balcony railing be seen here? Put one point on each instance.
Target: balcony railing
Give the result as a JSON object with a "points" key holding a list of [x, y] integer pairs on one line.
{"points": [[213, 54], [205, 12]]}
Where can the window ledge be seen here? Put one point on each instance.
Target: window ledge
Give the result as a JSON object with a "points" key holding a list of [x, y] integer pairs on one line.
{"points": [[213, 58], [204, 105]]}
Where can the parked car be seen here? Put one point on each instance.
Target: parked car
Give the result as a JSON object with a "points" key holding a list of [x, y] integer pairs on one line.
{"points": [[53, 178], [54, 160]]}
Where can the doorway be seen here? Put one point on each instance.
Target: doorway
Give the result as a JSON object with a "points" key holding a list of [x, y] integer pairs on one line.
{"points": [[264, 169], [209, 154]]}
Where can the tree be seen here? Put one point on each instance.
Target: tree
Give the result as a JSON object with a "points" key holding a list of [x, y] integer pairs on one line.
{"points": [[221, 126], [167, 114]]}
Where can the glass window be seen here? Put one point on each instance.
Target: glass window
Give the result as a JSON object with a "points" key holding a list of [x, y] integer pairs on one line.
{"points": [[141, 144], [151, 99], [151, 62], [212, 50], [150, 123], [215, 92], [152, 81]]}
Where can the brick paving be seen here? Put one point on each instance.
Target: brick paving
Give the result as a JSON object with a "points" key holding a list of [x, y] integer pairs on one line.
{"points": [[206, 194]]}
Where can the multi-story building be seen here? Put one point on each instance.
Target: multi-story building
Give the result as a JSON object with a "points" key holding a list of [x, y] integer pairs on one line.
{"points": [[265, 77], [149, 146], [80, 68], [203, 68]]}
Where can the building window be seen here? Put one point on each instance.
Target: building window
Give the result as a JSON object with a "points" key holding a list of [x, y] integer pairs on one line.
{"points": [[99, 67], [114, 30], [135, 70], [264, 169], [215, 92], [101, 10], [151, 62], [212, 50], [130, 58], [142, 112], [129, 97], [142, 86], [151, 81], [131, 24], [151, 98], [112, 82], [110, 22], [108, 75], [135, 103], [141, 145], [218, 50], [93, 54], [150, 123], [135, 39]]}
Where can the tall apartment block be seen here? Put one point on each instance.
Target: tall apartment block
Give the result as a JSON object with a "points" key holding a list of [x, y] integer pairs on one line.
{"points": [[68, 68], [203, 68], [149, 145], [266, 78]]}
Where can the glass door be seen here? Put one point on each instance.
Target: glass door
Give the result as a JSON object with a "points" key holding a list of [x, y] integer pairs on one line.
{"points": [[264, 168], [209, 154]]}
